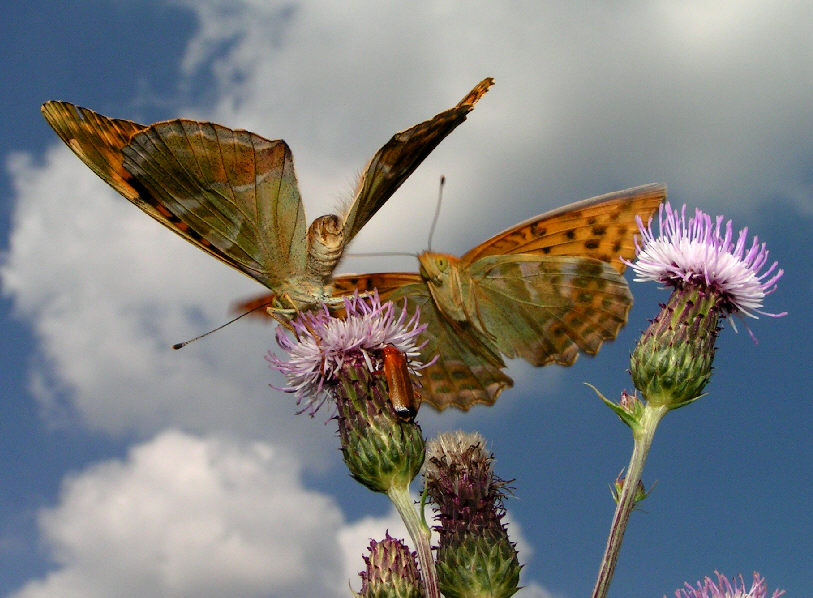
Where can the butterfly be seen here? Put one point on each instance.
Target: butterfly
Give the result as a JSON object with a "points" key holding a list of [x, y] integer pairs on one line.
{"points": [[234, 194], [542, 290]]}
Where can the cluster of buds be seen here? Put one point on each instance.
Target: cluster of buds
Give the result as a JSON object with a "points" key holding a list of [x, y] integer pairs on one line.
{"points": [[359, 363]]}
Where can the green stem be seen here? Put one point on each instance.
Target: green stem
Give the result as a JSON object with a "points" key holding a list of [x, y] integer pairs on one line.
{"points": [[642, 436], [420, 534]]}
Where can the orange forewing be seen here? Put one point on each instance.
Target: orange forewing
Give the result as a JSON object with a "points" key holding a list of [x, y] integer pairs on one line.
{"points": [[601, 227], [102, 144]]}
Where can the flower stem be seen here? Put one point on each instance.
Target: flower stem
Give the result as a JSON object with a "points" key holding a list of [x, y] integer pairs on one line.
{"points": [[642, 436], [420, 534]]}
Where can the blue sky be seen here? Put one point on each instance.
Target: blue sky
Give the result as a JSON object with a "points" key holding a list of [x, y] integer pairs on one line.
{"points": [[128, 469]]}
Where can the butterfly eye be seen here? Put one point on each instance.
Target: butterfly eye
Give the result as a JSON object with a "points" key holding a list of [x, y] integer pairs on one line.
{"points": [[433, 267]]}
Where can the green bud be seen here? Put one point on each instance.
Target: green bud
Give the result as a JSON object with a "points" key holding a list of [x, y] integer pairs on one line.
{"points": [[380, 449], [478, 563], [671, 364]]}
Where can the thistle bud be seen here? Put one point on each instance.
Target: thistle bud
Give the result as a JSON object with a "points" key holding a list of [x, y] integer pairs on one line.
{"points": [[671, 364], [474, 555], [392, 571], [380, 449]]}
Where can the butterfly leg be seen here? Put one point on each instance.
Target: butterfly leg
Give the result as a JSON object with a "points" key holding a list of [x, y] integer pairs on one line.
{"points": [[282, 321], [481, 325]]}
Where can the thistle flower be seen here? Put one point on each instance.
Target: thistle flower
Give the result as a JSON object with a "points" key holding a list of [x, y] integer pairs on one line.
{"points": [[703, 255], [724, 589], [391, 572], [323, 344], [711, 277], [340, 359], [474, 555]]}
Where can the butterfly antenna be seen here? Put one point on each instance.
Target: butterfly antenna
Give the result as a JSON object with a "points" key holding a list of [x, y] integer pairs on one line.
{"points": [[431, 232], [437, 212], [380, 254], [177, 346]]}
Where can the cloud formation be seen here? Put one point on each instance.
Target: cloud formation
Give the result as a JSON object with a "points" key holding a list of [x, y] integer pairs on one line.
{"points": [[207, 517], [589, 98], [586, 101]]}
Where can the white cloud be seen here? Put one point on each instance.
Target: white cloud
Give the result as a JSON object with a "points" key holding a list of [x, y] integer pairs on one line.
{"points": [[588, 98], [108, 291], [186, 516], [207, 517]]}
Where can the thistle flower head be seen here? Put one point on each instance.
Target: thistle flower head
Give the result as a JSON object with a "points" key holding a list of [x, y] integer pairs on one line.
{"points": [[338, 358], [725, 589], [475, 557], [324, 343], [391, 570], [703, 254], [711, 277]]}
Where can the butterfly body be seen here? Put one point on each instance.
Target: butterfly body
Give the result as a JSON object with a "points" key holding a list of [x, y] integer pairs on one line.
{"points": [[234, 194], [441, 273]]}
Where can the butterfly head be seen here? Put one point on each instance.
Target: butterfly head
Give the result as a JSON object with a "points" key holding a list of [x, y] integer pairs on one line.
{"points": [[437, 268], [433, 267]]}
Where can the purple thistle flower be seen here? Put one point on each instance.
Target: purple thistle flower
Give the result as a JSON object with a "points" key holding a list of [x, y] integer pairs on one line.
{"points": [[725, 589], [324, 343], [711, 277], [703, 254]]}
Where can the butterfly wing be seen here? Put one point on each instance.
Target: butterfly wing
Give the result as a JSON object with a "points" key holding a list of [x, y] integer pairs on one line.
{"points": [[548, 308], [233, 189], [386, 283], [601, 227], [467, 370], [100, 143], [551, 286], [97, 141], [347, 284], [392, 164]]}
